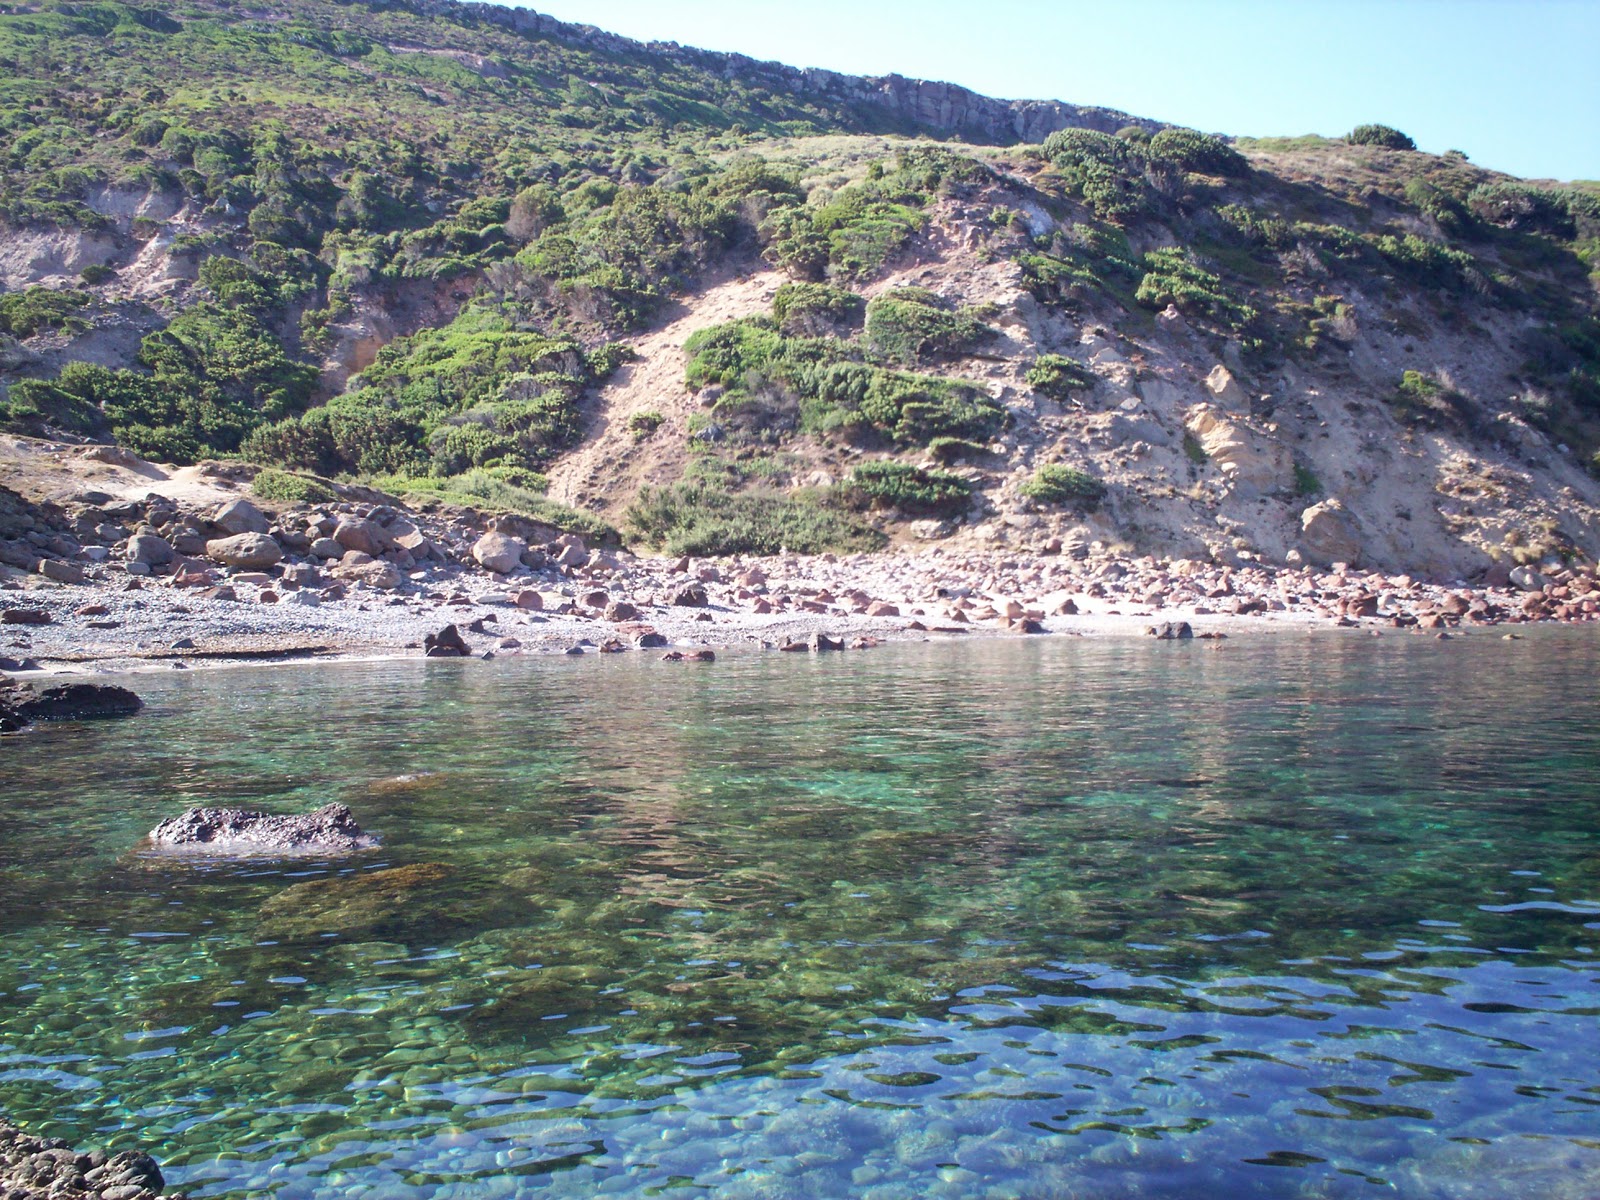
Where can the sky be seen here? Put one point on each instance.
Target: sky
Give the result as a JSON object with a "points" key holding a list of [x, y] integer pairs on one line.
{"points": [[1515, 84]]}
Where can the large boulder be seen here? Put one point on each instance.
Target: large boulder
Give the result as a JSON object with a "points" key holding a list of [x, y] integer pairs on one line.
{"points": [[240, 516], [22, 704], [357, 567], [363, 536], [252, 551], [1329, 534], [149, 549], [237, 832], [498, 552]]}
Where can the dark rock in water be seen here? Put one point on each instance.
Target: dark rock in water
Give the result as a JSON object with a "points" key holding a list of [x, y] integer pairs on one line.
{"points": [[650, 641], [35, 1168], [22, 704], [1171, 631], [330, 830], [820, 642], [447, 643]]}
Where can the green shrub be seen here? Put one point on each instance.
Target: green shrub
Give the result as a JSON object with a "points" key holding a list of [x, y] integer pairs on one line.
{"points": [[35, 309], [1379, 135], [1256, 229], [1422, 399], [499, 489], [1447, 211], [889, 484], [953, 449], [1058, 485], [1521, 207], [813, 309], [909, 324], [911, 409], [643, 424], [1429, 262], [96, 273], [706, 521], [1174, 278], [1106, 172], [1058, 376], [286, 487], [1306, 482], [1189, 150], [1194, 451]]}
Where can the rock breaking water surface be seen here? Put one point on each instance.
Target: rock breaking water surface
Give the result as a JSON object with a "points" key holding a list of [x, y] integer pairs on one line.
{"points": [[1298, 915]]}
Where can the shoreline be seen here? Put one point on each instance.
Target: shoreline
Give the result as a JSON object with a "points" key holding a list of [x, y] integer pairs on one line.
{"points": [[206, 619]]}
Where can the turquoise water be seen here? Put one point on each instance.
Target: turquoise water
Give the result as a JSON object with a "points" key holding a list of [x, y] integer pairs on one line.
{"points": [[1304, 915]]}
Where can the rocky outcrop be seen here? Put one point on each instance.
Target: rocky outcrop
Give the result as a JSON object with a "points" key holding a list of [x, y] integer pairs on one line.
{"points": [[237, 832], [35, 1168], [878, 103], [1250, 458], [22, 704]]}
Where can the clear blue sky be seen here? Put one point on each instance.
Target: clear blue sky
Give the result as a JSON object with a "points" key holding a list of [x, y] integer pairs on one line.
{"points": [[1514, 83]]}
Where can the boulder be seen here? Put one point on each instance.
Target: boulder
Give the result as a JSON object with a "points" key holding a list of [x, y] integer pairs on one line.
{"points": [[149, 549], [24, 616], [1526, 579], [22, 704], [61, 571], [529, 600], [358, 533], [326, 547], [240, 832], [691, 595], [447, 643], [650, 641], [1329, 534], [498, 552], [1225, 390], [253, 551], [621, 610], [373, 572], [240, 516], [1171, 631]]}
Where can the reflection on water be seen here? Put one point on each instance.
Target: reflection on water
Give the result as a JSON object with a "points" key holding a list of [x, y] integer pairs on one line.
{"points": [[1293, 916]]}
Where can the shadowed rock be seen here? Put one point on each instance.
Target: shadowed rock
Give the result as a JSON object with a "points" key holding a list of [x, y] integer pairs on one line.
{"points": [[330, 830], [22, 704]]}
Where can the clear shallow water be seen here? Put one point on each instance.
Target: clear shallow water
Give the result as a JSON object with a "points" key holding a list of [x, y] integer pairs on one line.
{"points": [[1295, 916]]}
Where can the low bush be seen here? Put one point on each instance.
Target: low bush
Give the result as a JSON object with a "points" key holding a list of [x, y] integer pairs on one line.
{"points": [[948, 450], [1058, 485], [814, 309], [1189, 150], [889, 484], [643, 424], [1385, 136], [1172, 277], [910, 324], [286, 487], [1422, 399], [706, 521], [36, 309], [1057, 376], [1523, 208]]}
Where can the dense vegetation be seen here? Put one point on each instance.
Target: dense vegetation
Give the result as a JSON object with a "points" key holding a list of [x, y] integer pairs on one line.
{"points": [[527, 203]]}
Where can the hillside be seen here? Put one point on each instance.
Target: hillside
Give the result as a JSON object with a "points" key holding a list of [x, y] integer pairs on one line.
{"points": [[470, 253]]}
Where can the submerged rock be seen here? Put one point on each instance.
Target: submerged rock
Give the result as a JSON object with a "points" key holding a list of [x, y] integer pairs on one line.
{"points": [[1171, 631], [330, 830], [21, 704], [389, 899]]}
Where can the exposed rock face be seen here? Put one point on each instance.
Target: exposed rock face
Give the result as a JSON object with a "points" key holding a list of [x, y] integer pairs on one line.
{"points": [[1329, 534], [330, 830], [1251, 458], [499, 552], [22, 704], [252, 551], [33, 1168], [928, 105]]}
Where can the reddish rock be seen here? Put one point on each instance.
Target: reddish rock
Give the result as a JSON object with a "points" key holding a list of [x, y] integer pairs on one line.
{"points": [[882, 608]]}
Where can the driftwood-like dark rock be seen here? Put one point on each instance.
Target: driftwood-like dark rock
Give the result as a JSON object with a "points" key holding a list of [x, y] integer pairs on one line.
{"points": [[330, 830], [21, 704], [35, 1168]]}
